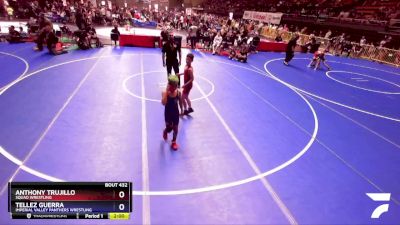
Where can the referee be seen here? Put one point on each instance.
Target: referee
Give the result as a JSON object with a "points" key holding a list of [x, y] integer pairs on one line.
{"points": [[170, 53], [290, 49]]}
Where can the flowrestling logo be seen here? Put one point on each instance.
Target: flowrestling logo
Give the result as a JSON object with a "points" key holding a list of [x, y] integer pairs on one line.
{"points": [[379, 197]]}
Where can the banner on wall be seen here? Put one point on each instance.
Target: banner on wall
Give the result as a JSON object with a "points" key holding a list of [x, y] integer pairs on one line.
{"points": [[265, 17]]}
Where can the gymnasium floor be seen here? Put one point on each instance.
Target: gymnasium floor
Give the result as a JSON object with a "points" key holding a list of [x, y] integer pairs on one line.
{"points": [[267, 143]]}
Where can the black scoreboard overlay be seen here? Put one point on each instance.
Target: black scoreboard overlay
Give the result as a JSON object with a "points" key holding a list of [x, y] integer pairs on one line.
{"points": [[70, 200]]}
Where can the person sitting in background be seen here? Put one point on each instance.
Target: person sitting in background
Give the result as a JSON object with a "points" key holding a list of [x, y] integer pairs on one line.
{"points": [[53, 44], [278, 38], [115, 34], [13, 35], [65, 29], [2, 36], [232, 53], [207, 39], [32, 25], [229, 40], [357, 49], [363, 41], [328, 34], [23, 33], [82, 39], [92, 35], [242, 55], [346, 47]]}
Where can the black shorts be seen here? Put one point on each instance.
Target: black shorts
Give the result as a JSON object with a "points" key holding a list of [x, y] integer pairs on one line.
{"points": [[171, 118]]}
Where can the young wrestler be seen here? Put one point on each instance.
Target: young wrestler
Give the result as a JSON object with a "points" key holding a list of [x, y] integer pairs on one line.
{"points": [[188, 84], [170, 99], [316, 60]]}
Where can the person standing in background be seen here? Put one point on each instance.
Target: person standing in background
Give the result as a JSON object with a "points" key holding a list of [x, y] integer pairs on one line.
{"points": [[45, 27], [170, 53], [290, 49]]}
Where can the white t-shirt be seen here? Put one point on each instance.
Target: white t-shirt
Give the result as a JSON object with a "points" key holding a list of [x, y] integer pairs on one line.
{"points": [[217, 40], [363, 41], [192, 31], [328, 34]]}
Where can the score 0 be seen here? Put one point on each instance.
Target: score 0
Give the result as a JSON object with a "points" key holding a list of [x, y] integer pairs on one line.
{"points": [[121, 195]]}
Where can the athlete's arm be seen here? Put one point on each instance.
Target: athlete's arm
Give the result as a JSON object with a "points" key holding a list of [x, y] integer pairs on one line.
{"points": [[164, 96]]}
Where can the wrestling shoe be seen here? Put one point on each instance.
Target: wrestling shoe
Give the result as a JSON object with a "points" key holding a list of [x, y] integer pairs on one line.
{"points": [[174, 146]]}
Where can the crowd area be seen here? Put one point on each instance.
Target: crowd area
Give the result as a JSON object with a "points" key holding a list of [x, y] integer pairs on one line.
{"points": [[358, 9], [236, 38], [382, 10]]}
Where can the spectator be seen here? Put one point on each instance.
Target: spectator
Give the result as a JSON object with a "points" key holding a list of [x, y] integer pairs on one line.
{"points": [[23, 33], [193, 36], [232, 53], [79, 20], [389, 43], [164, 35], [347, 47], [83, 40], [357, 49], [65, 29], [328, 34], [363, 41], [278, 38], [10, 12], [13, 35], [242, 56], [92, 35], [53, 44], [217, 43], [313, 45], [115, 34], [207, 39]]}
